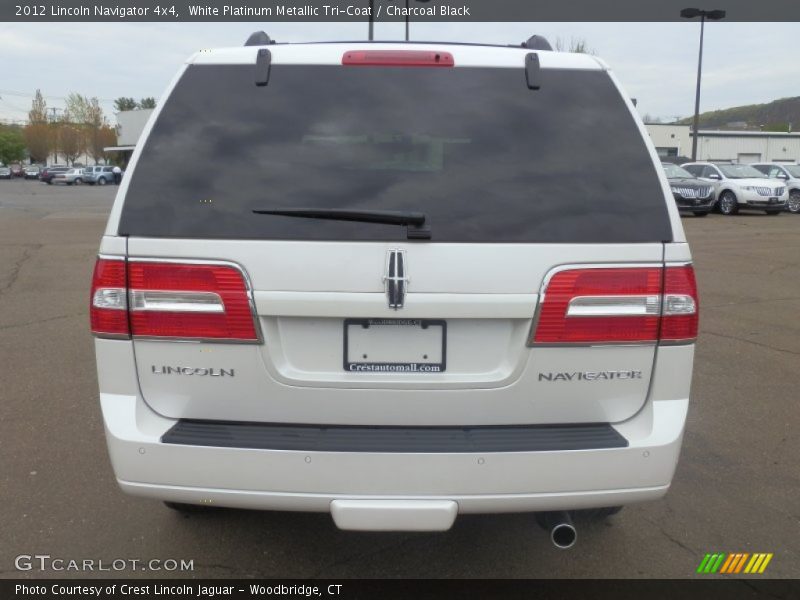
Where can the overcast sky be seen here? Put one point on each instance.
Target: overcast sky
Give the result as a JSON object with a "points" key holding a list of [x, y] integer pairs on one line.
{"points": [[744, 63]]}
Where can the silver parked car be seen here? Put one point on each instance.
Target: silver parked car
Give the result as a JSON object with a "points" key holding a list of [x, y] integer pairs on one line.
{"points": [[72, 176], [32, 172], [789, 174], [100, 175], [739, 187]]}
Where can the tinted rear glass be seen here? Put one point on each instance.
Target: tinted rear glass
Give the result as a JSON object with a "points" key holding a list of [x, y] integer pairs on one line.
{"points": [[485, 158]]}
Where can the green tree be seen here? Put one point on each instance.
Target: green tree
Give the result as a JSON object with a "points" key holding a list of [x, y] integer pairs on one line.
{"points": [[148, 102], [122, 104], [577, 45], [77, 108], [777, 127], [12, 146]]}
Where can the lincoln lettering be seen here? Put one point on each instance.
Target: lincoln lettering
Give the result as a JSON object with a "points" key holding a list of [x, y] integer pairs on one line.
{"points": [[200, 371], [590, 376]]}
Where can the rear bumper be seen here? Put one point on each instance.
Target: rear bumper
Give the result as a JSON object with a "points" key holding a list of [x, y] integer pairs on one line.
{"points": [[477, 482]]}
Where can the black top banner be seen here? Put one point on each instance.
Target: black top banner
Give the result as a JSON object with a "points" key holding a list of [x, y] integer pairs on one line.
{"points": [[390, 10]]}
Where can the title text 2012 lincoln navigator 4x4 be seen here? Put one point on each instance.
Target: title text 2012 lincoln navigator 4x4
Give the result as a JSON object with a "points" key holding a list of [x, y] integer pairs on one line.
{"points": [[400, 300]]}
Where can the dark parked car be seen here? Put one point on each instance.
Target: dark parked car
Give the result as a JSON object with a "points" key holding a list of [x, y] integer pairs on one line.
{"points": [[48, 173], [16, 170], [691, 194]]}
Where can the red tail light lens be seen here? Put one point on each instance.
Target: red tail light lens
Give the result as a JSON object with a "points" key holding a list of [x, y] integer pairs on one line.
{"points": [[681, 305], [202, 301], [398, 58], [171, 300], [618, 305], [108, 303]]}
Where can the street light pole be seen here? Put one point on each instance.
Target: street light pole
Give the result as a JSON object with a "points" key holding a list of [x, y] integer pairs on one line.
{"points": [[697, 91], [408, 18], [371, 9], [714, 15]]}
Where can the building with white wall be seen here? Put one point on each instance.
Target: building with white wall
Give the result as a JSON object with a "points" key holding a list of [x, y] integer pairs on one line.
{"points": [[130, 124], [725, 145]]}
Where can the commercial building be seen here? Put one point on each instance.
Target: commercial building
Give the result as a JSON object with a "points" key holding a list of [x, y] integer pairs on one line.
{"points": [[130, 124], [675, 141]]}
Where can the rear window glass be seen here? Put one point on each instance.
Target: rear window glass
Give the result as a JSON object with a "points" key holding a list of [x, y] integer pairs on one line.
{"points": [[484, 157]]}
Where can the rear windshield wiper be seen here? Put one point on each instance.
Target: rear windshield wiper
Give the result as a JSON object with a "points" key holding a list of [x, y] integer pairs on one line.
{"points": [[415, 221]]}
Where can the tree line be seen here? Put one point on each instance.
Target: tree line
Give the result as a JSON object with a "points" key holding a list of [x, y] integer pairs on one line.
{"points": [[80, 128]]}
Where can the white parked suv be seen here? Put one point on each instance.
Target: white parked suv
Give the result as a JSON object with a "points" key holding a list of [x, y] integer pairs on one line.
{"points": [[419, 288], [740, 186], [787, 174]]}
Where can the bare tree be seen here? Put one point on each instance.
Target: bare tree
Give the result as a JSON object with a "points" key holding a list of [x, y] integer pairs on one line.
{"points": [[38, 111], [39, 140], [86, 115], [37, 133], [102, 138], [71, 140], [94, 124]]}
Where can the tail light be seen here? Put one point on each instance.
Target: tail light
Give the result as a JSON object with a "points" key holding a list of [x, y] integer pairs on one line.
{"points": [[398, 58], [680, 316], [618, 305], [108, 310], [176, 300]]}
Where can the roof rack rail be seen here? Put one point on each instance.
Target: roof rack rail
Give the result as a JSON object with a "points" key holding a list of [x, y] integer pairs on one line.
{"points": [[259, 38], [537, 42]]}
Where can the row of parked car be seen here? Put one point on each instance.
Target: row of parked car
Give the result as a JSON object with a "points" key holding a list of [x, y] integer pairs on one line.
{"points": [[98, 174], [700, 187], [11, 171]]}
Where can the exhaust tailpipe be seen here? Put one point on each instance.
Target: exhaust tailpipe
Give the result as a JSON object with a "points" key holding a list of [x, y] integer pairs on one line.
{"points": [[559, 525]]}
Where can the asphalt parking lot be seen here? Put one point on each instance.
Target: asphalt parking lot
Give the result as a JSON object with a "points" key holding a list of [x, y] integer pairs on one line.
{"points": [[736, 488]]}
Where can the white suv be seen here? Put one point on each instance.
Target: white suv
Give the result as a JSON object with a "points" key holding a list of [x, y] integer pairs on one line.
{"points": [[418, 288], [789, 175], [740, 186]]}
